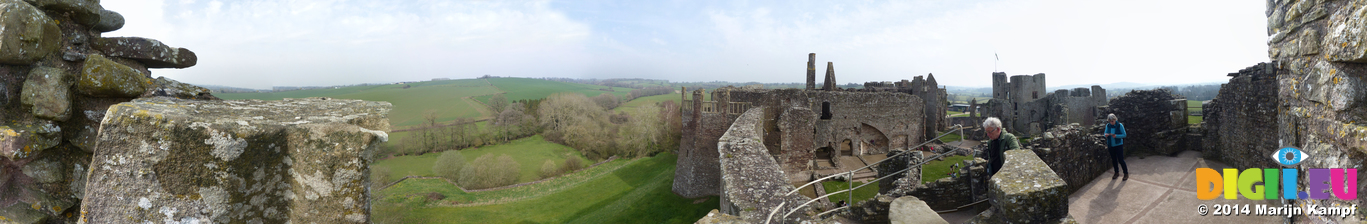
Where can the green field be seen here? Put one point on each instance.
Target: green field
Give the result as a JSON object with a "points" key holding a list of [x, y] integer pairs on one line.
{"points": [[1194, 106], [529, 152], [861, 194], [934, 170], [949, 137], [524, 89], [622, 191], [444, 98], [630, 106]]}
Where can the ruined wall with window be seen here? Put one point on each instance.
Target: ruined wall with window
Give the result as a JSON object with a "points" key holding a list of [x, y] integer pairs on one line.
{"points": [[1027, 110], [800, 128]]}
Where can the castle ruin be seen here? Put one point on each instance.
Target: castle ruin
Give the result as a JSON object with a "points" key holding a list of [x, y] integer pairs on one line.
{"points": [[808, 131], [1026, 108]]}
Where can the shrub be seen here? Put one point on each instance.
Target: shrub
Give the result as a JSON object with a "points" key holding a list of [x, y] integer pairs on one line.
{"points": [[571, 164], [488, 171], [449, 165], [548, 169], [379, 177]]}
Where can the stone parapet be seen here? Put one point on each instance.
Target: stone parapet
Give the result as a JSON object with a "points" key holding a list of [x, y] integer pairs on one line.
{"points": [[247, 161], [1027, 191]]}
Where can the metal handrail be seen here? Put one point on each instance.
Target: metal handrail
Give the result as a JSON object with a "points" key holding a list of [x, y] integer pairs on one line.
{"points": [[850, 176]]}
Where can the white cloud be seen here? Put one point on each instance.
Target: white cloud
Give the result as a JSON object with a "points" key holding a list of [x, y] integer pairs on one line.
{"points": [[260, 43], [1076, 42]]}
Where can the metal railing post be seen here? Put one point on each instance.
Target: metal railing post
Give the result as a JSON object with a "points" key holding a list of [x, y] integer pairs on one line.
{"points": [[850, 177]]}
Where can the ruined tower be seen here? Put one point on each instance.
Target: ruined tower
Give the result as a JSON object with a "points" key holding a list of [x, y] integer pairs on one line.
{"points": [[811, 71], [830, 77]]}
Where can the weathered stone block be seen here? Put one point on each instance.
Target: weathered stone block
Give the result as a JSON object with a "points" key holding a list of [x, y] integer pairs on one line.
{"points": [[109, 21], [172, 88], [22, 142], [912, 210], [84, 125], [85, 12], [21, 213], [47, 91], [106, 78], [717, 217], [44, 171], [1345, 41], [28, 34], [295, 160], [1310, 42], [1027, 191], [151, 52]]}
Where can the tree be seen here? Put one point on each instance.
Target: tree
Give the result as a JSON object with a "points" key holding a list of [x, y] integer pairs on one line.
{"points": [[498, 102], [488, 171], [449, 165], [606, 100]]}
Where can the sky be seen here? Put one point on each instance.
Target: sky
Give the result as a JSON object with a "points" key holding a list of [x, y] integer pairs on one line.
{"points": [[264, 43]]}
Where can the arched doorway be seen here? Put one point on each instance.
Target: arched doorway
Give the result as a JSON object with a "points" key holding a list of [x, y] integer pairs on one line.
{"points": [[846, 148]]}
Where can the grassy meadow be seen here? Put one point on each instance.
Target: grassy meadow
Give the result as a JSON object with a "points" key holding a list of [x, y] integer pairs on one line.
{"points": [[934, 170], [443, 98], [621, 191], [524, 89], [630, 106], [861, 194], [529, 153], [1194, 106]]}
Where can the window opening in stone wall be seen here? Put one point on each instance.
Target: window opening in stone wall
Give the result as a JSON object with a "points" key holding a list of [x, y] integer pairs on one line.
{"points": [[1034, 95], [825, 110]]}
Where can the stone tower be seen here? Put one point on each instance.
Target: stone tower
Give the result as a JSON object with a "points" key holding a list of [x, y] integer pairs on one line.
{"points": [[811, 71], [830, 77], [999, 87]]}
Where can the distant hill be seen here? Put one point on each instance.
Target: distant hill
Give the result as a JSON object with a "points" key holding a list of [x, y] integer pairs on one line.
{"points": [[447, 99], [229, 89]]}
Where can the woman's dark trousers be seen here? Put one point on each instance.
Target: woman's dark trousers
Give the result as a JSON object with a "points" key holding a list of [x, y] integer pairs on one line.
{"points": [[1118, 159]]}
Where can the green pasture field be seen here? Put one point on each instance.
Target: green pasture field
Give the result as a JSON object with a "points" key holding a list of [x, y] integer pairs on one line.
{"points": [[410, 105], [621, 191], [630, 106], [524, 89], [529, 152]]}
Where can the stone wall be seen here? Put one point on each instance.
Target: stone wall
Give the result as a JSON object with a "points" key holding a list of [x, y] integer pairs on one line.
{"points": [[1076, 153], [753, 184], [1025, 191], [1155, 121], [1319, 51], [247, 161], [1027, 110], [797, 124], [1235, 123], [57, 78], [949, 192]]}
